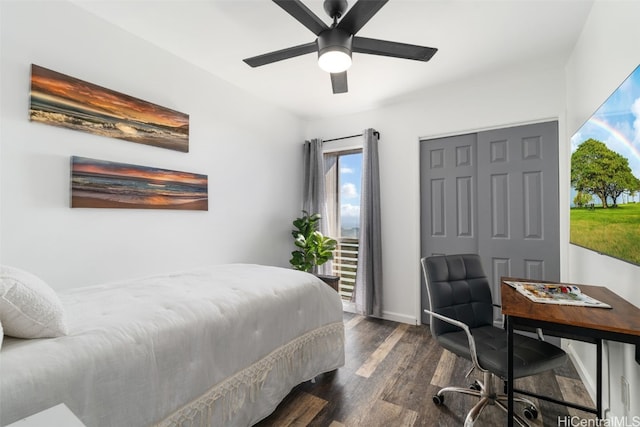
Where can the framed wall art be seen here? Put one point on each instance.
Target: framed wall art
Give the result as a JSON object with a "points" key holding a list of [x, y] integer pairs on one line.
{"points": [[105, 184], [61, 100], [605, 176]]}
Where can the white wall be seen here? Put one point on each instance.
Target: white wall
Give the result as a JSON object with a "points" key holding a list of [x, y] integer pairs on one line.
{"points": [[526, 93], [607, 52], [250, 151]]}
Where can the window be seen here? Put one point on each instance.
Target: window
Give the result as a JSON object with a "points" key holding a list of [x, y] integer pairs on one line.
{"points": [[343, 177]]}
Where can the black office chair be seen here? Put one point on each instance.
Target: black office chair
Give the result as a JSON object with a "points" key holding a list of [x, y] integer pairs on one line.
{"points": [[462, 322]]}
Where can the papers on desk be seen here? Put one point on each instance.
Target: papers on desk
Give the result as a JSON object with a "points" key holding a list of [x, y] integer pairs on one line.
{"points": [[554, 293]]}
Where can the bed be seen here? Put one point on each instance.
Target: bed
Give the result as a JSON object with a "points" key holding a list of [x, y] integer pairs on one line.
{"points": [[215, 346]]}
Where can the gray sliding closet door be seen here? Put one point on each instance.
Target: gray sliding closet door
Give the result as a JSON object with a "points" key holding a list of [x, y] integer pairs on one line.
{"points": [[494, 193]]}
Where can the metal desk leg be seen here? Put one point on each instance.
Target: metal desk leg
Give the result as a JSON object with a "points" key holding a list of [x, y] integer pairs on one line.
{"points": [[599, 379], [509, 372]]}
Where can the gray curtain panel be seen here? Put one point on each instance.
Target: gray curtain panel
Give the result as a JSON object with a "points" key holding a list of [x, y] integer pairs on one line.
{"points": [[314, 198], [368, 290]]}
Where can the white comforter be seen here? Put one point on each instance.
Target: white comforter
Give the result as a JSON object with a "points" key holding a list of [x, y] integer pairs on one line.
{"points": [[220, 345]]}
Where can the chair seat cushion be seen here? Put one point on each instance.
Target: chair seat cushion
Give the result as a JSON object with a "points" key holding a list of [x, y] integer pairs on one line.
{"points": [[530, 356]]}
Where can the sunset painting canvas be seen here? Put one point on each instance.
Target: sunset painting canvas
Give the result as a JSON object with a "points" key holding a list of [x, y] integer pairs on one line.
{"points": [[60, 100], [104, 184]]}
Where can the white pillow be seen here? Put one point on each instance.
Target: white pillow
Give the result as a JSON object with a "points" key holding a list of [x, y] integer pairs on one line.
{"points": [[29, 308]]}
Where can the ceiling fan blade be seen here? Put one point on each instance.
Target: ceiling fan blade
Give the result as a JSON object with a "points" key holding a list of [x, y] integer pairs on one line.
{"points": [[359, 14], [303, 15], [396, 50], [339, 82], [279, 55]]}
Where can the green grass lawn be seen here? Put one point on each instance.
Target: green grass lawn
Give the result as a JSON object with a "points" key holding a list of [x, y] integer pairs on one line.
{"points": [[612, 231]]}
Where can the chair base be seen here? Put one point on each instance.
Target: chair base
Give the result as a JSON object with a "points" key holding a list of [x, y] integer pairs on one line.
{"points": [[488, 396]]}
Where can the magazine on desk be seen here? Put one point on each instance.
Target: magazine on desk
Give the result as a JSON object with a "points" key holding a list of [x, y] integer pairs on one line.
{"points": [[555, 293]]}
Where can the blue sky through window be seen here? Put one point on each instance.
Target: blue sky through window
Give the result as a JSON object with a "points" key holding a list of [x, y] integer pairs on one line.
{"points": [[349, 181]]}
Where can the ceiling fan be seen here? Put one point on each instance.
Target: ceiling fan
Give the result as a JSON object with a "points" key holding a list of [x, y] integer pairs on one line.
{"points": [[336, 43]]}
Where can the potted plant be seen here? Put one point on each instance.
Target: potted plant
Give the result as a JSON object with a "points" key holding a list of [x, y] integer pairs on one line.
{"points": [[314, 248]]}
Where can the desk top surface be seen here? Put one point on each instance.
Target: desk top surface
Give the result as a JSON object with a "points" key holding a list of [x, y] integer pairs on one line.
{"points": [[623, 317]]}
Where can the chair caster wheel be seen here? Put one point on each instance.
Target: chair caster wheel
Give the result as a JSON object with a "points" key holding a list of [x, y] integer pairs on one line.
{"points": [[438, 400], [475, 386], [531, 412]]}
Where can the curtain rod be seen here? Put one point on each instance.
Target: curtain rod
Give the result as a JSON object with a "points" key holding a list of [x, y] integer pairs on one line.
{"points": [[375, 132]]}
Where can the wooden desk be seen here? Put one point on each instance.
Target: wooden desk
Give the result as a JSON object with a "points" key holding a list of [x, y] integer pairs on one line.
{"points": [[620, 323]]}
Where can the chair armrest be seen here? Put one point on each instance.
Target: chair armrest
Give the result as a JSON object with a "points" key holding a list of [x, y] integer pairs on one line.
{"points": [[465, 328], [538, 330]]}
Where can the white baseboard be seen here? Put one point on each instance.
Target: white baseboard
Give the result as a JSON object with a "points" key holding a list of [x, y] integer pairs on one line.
{"points": [[350, 307], [399, 317]]}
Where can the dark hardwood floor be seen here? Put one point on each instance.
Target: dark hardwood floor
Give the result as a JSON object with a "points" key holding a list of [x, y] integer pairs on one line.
{"points": [[392, 370]]}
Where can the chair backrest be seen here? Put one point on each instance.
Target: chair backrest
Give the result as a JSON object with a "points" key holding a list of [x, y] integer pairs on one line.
{"points": [[457, 288]]}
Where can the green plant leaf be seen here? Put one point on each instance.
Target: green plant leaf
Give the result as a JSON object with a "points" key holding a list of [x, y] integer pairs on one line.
{"points": [[314, 248]]}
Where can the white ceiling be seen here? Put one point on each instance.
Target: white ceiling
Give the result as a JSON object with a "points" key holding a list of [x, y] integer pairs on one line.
{"points": [[473, 36]]}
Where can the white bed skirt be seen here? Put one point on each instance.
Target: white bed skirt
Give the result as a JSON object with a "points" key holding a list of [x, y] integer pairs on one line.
{"points": [[253, 393]]}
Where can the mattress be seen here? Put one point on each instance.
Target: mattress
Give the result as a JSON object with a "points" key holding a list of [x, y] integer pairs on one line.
{"points": [[220, 345]]}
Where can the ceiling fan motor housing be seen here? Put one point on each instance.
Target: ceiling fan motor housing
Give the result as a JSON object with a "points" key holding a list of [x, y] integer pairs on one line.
{"points": [[334, 39]]}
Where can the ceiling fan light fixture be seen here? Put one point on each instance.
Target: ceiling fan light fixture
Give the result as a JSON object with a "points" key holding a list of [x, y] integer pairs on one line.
{"points": [[334, 50], [335, 61]]}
